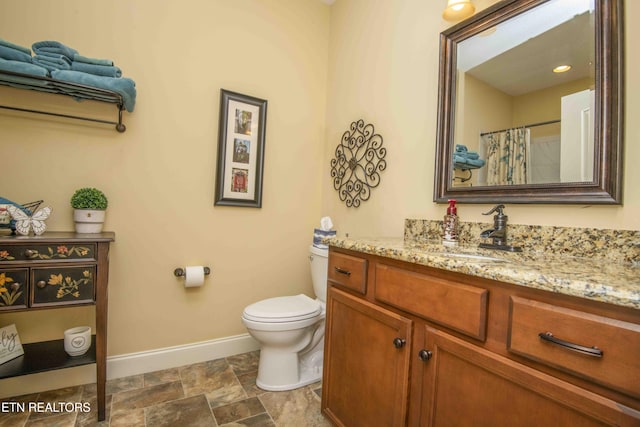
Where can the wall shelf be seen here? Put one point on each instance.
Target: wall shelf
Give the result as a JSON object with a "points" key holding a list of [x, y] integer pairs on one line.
{"points": [[45, 356], [59, 87]]}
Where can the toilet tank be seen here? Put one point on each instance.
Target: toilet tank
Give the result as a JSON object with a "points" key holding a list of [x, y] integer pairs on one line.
{"points": [[319, 259]]}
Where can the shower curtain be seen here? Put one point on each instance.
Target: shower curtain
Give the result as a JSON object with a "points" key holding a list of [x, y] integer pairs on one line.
{"points": [[507, 156]]}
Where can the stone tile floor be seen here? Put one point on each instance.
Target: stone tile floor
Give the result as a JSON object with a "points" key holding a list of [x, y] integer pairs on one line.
{"points": [[220, 392]]}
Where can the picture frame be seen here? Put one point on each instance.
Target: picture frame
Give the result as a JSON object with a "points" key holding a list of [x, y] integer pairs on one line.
{"points": [[241, 141]]}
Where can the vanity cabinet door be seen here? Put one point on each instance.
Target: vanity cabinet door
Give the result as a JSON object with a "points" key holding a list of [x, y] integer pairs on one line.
{"points": [[13, 288], [366, 371], [465, 385]]}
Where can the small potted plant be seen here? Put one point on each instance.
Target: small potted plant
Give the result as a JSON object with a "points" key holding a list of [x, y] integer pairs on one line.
{"points": [[89, 206]]}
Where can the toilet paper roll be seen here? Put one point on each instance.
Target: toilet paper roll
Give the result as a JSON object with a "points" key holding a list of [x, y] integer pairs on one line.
{"points": [[194, 276]]}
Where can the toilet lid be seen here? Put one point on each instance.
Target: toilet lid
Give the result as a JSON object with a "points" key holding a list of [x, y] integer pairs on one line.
{"points": [[283, 309]]}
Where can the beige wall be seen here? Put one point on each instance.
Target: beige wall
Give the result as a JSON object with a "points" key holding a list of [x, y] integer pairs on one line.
{"points": [[159, 175], [383, 67]]}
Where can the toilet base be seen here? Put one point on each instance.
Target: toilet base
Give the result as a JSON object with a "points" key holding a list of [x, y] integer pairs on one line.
{"points": [[308, 376], [296, 370]]}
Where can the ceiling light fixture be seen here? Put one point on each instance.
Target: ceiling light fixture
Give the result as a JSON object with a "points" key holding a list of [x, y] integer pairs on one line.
{"points": [[457, 10], [562, 68]]}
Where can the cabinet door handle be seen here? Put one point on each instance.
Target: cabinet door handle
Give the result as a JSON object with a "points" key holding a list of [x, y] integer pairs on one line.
{"points": [[15, 286], [342, 271], [425, 355], [41, 284], [589, 351], [399, 342]]}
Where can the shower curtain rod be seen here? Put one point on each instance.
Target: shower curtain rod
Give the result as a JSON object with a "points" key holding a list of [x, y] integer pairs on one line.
{"points": [[525, 126]]}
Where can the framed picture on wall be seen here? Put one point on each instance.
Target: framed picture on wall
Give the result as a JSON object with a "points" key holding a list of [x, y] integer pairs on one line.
{"points": [[241, 132]]}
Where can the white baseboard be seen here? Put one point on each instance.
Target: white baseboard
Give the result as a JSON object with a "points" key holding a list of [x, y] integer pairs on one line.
{"points": [[130, 364], [171, 357]]}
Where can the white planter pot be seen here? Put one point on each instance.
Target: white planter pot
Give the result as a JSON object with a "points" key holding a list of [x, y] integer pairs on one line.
{"points": [[88, 220]]}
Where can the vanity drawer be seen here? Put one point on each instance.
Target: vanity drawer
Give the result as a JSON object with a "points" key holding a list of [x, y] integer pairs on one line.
{"points": [[46, 252], [13, 288], [348, 271], [452, 304], [597, 348], [52, 286]]}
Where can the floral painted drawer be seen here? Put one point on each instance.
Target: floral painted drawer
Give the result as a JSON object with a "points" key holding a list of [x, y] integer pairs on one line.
{"points": [[48, 252], [13, 288], [62, 286]]}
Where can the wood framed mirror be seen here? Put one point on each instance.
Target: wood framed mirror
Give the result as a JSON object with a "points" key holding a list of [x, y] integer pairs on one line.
{"points": [[510, 130]]}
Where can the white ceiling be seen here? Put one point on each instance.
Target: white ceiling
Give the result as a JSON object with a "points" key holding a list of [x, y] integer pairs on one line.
{"points": [[518, 57]]}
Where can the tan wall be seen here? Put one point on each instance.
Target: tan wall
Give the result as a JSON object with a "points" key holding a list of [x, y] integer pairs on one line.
{"points": [[383, 67], [159, 175], [486, 110], [544, 105]]}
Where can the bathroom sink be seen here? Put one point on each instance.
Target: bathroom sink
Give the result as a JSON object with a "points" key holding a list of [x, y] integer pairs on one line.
{"points": [[470, 257]]}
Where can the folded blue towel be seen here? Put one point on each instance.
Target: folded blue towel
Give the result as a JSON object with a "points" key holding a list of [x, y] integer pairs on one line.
{"points": [[53, 57], [98, 70], [23, 68], [123, 86], [468, 155], [12, 54], [52, 61], [50, 46], [461, 162], [94, 61], [15, 46], [460, 148]]}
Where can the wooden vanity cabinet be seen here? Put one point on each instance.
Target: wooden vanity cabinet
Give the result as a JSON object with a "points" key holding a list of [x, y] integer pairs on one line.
{"points": [[367, 369], [57, 270], [463, 357]]}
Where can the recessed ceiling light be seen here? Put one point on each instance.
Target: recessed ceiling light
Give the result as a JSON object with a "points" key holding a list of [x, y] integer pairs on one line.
{"points": [[488, 32], [562, 68]]}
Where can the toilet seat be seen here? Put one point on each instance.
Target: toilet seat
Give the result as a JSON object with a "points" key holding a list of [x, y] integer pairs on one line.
{"points": [[283, 309]]}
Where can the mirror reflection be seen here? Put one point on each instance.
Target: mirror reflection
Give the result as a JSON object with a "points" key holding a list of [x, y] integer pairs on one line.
{"points": [[525, 99]]}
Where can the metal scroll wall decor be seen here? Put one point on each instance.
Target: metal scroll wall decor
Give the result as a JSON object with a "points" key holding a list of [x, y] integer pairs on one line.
{"points": [[359, 159]]}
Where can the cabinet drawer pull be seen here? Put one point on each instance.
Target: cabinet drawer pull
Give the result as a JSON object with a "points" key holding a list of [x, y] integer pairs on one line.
{"points": [[399, 342], [41, 284], [342, 271], [589, 351], [15, 286], [424, 355], [31, 253]]}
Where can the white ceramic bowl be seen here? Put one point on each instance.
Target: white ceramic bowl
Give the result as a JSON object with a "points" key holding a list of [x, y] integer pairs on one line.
{"points": [[77, 340]]}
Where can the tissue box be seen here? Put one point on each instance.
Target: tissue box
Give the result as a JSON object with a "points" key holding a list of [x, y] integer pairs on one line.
{"points": [[319, 234]]}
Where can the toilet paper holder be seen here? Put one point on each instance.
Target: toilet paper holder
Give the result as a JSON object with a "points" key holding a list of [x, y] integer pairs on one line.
{"points": [[180, 272]]}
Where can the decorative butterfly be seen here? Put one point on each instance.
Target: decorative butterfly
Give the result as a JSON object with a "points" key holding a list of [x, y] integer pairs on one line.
{"points": [[25, 222]]}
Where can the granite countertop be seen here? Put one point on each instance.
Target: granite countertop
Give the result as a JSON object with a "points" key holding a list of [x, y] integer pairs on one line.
{"points": [[592, 278]]}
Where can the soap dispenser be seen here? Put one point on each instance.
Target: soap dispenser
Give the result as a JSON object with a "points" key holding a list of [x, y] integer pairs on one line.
{"points": [[450, 225]]}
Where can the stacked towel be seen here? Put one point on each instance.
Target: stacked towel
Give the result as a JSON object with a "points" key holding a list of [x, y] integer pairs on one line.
{"points": [[98, 70], [122, 85], [61, 62], [14, 52], [95, 61], [53, 55], [23, 68], [52, 61], [465, 159], [53, 47]]}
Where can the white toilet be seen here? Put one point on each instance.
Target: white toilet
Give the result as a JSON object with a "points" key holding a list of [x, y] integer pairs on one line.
{"points": [[290, 331]]}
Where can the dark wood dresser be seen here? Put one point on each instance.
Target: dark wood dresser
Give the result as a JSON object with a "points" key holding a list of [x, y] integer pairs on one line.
{"points": [[57, 270]]}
